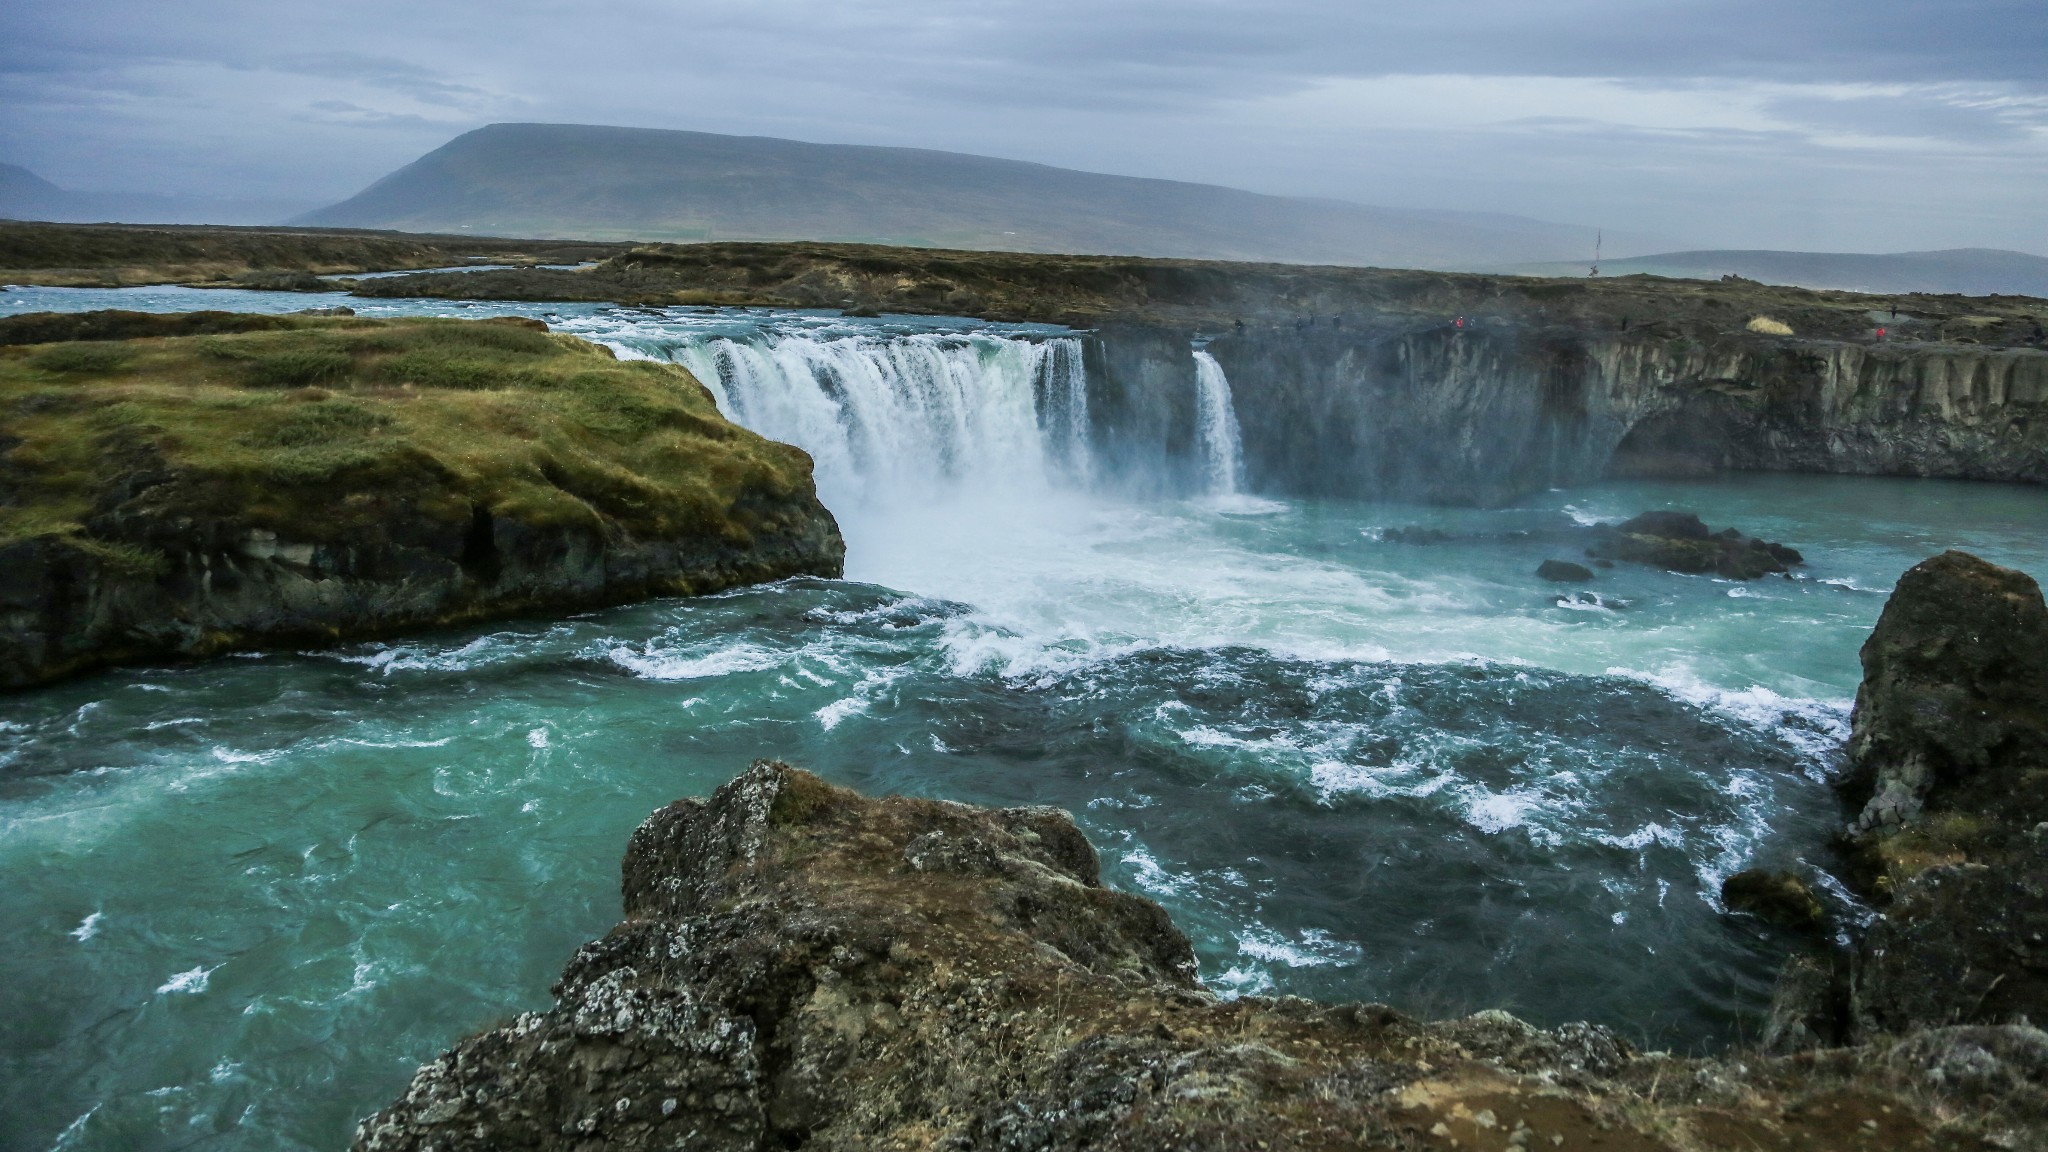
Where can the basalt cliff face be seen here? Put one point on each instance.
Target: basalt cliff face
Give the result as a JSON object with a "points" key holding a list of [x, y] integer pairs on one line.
{"points": [[1487, 412], [804, 967], [1436, 386]]}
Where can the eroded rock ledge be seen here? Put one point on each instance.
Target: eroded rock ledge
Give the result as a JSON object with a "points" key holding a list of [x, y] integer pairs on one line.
{"points": [[176, 486], [804, 967]]}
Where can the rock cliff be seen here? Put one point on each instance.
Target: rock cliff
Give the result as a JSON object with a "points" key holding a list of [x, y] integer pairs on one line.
{"points": [[1948, 783], [804, 967], [1466, 388], [321, 478], [1487, 412]]}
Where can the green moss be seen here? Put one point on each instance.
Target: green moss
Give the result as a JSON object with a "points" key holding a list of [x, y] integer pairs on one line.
{"points": [[84, 359], [321, 429], [299, 367]]}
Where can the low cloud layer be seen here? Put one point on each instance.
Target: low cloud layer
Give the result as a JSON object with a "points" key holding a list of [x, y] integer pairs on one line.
{"points": [[1882, 125]]}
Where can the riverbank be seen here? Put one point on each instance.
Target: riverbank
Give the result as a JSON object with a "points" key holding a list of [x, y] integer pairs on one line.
{"points": [[122, 255], [253, 481]]}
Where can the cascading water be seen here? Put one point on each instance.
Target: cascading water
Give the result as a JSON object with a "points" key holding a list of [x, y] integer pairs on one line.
{"points": [[1350, 767], [1216, 428], [891, 418]]}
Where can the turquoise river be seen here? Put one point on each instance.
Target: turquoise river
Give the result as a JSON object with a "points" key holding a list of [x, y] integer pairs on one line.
{"points": [[246, 898]]}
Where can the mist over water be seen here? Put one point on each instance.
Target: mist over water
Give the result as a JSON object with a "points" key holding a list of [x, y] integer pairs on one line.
{"points": [[265, 888]]}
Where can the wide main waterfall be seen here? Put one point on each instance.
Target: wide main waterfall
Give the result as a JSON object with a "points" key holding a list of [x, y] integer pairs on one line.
{"points": [[896, 417]]}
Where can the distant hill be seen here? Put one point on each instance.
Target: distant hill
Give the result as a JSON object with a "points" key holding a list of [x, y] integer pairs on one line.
{"points": [[27, 196], [564, 180], [1966, 271]]}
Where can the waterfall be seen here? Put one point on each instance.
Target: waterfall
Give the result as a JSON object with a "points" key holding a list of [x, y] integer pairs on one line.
{"points": [[892, 418], [1216, 428]]}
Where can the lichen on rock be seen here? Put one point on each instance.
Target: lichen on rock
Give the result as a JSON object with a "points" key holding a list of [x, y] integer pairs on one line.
{"points": [[802, 966]]}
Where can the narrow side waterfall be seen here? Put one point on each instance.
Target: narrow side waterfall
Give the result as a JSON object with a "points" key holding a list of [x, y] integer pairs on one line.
{"points": [[906, 418], [1216, 428]]}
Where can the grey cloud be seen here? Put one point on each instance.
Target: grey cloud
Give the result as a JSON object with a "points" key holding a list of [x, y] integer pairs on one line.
{"points": [[318, 99], [424, 84], [1917, 116]]}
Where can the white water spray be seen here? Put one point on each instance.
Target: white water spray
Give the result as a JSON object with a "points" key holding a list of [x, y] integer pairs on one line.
{"points": [[1216, 428], [908, 418]]}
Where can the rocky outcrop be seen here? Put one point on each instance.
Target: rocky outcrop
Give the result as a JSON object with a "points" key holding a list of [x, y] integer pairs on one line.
{"points": [[1948, 784], [1681, 542], [155, 585], [316, 478], [803, 967], [1953, 707]]}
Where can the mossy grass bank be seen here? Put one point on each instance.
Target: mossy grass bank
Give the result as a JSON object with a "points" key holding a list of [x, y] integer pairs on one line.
{"points": [[463, 468], [120, 255]]}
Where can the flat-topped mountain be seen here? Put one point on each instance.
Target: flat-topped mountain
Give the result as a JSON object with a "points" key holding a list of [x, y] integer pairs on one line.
{"points": [[645, 184]]}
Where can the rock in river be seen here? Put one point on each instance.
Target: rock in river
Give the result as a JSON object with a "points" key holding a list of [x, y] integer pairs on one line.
{"points": [[1563, 572], [1681, 542]]}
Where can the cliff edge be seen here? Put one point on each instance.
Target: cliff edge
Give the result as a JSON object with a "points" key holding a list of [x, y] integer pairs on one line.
{"points": [[804, 967], [183, 485]]}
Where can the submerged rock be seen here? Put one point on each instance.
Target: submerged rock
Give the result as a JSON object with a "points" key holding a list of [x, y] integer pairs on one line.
{"points": [[1682, 542], [801, 966], [1779, 898], [1416, 534], [1563, 572]]}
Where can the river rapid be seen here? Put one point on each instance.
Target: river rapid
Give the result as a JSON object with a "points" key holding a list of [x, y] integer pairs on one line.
{"points": [[248, 897]]}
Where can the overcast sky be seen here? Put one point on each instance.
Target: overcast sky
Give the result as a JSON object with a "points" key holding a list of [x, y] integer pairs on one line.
{"points": [[1873, 125]]}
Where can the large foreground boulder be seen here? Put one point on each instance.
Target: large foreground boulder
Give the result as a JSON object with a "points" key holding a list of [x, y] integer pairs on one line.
{"points": [[1948, 789], [1953, 708], [804, 967]]}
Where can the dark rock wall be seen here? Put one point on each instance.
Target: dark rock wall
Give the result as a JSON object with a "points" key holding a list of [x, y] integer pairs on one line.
{"points": [[220, 585], [1487, 412]]}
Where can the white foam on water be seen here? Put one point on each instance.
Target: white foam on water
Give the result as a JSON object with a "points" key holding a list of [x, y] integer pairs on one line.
{"points": [[653, 663], [192, 981], [88, 927], [69, 1137], [1817, 728], [1148, 874], [831, 714], [483, 651], [1311, 948]]}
